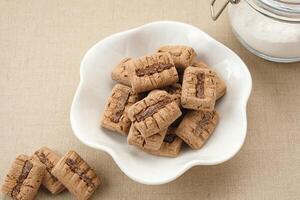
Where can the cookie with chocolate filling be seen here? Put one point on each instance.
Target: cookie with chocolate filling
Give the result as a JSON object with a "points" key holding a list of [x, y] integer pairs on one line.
{"points": [[115, 115], [196, 127], [76, 175], [151, 72], [49, 158], [198, 89], [24, 178], [154, 113]]}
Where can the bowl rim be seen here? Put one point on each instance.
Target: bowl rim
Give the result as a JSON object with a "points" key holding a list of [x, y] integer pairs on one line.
{"points": [[189, 164]]}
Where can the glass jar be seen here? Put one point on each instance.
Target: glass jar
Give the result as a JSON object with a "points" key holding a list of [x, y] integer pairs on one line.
{"points": [[268, 28]]}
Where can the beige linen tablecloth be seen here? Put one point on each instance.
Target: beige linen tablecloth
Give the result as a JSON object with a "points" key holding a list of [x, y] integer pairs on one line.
{"points": [[41, 45]]}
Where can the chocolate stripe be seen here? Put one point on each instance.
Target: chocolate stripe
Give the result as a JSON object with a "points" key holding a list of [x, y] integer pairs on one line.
{"points": [[25, 171], [152, 69], [81, 173], [49, 166], [151, 110], [203, 123], [119, 110], [200, 85]]}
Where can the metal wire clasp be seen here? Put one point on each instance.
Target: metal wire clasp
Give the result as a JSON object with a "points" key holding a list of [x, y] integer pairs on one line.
{"points": [[212, 10]]}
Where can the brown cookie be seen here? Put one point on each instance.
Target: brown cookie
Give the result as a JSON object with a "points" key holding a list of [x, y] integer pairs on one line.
{"points": [[170, 147], [49, 158], [120, 72], [152, 72], [115, 115], [221, 85], [152, 142], [24, 178], [182, 56], [196, 127], [154, 113], [198, 89], [76, 175]]}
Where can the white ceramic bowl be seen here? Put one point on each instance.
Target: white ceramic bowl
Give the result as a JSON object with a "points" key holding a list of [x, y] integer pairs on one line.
{"points": [[95, 87]]}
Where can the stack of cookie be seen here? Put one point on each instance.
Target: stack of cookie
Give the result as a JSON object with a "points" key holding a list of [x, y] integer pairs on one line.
{"points": [[55, 173], [163, 99]]}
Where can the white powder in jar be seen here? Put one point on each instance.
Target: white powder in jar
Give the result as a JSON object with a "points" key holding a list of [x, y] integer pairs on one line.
{"points": [[268, 36]]}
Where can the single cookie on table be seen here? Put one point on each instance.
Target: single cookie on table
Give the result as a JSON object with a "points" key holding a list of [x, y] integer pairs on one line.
{"points": [[152, 142], [76, 175], [115, 115], [182, 56], [24, 178], [196, 127], [173, 90], [154, 113], [198, 89], [49, 158], [220, 83], [120, 73], [170, 147], [151, 72]]}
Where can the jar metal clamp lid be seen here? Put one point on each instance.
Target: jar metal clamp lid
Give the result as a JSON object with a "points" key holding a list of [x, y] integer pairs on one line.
{"points": [[216, 15]]}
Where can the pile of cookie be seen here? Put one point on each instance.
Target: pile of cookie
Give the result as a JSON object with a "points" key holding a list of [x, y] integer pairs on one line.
{"points": [[163, 99], [46, 168]]}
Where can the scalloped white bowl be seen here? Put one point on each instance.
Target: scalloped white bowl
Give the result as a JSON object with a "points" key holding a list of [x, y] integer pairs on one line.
{"points": [[95, 87]]}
